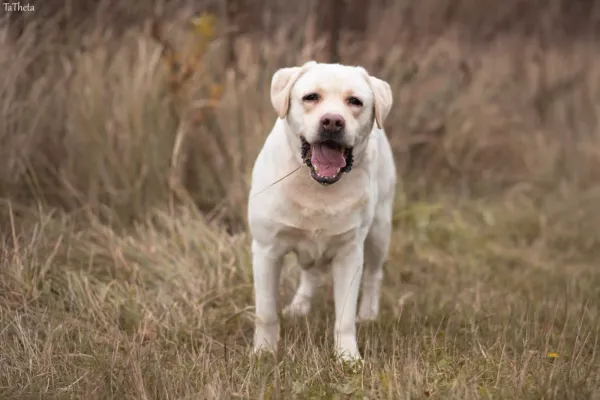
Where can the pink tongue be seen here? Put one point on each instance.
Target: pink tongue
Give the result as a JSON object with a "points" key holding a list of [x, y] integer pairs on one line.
{"points": [[326, 160]]}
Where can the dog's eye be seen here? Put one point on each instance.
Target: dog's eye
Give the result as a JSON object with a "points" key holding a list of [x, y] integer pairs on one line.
{"points": [[355, 101], [311, 97]]}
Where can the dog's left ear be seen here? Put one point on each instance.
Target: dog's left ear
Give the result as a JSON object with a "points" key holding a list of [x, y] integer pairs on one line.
{"points": [[281, 87], [383, 99]]}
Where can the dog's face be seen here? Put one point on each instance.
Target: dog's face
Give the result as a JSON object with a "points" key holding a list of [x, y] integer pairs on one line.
{"points": [[330, 108]]}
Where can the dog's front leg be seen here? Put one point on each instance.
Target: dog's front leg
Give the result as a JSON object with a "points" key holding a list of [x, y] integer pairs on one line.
{"points": [[347, 272], [266, 269]]}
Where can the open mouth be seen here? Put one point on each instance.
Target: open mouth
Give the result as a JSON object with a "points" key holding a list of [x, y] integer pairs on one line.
{"points": [[327, 160]]}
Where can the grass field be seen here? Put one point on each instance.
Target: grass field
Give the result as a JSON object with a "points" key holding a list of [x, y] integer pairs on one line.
{"points": [[125, 266]]}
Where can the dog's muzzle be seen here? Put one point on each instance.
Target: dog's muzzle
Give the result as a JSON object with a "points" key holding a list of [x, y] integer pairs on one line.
{"points": [[327, 160]]}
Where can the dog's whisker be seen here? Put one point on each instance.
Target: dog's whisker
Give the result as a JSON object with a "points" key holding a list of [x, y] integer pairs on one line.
{"points": [[277, 181]]}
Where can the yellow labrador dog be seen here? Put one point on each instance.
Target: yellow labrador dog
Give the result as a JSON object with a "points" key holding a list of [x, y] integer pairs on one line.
{"points": [[336, 209]]}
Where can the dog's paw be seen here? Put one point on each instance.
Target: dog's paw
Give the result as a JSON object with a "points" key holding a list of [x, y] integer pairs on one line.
{"points": [[266, 338], [346, 350], [366, 315], [351, 362], [260, 349], [296, 309], [368, 311]]}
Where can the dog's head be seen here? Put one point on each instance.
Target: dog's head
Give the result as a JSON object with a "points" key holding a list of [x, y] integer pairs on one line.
{"points": [[330, 108]]}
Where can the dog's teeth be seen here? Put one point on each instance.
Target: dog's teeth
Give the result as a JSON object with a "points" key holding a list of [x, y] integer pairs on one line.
{"points": [[343, 149]]}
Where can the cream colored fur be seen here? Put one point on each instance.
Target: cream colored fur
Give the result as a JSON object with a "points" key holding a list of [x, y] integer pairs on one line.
{"points": [[344, 225]]}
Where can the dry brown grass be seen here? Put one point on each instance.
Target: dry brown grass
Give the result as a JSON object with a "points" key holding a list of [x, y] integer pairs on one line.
{"points": [[125, 268]]}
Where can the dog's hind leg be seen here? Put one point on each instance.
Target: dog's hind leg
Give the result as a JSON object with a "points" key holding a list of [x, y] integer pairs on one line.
{"points": [[376, 249], [300, 304]]}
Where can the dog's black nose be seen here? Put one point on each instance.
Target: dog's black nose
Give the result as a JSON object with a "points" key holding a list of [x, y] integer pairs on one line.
{"points": [[332, 122]]}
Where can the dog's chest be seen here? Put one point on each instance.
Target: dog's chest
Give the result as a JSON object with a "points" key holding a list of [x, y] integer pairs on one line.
{"points": [[329, 210], [315, 247]]}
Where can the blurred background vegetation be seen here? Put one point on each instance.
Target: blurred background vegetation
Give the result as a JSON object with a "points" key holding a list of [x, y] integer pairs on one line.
{"points": [[118, 107]]}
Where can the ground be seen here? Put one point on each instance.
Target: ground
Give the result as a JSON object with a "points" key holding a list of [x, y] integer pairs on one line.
{"points": [[479, 301]]}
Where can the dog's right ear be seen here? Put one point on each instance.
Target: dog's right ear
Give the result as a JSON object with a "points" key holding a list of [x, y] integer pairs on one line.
{"points": [[281, 87]]}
